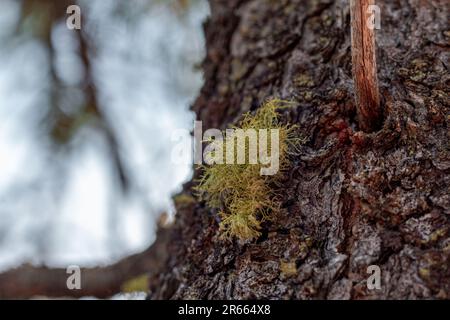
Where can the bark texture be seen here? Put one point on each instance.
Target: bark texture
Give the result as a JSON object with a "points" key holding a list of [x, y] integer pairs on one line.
{"points": [[350, 199]]}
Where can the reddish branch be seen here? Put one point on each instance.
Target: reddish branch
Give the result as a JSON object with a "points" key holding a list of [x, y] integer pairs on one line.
{"points": [[28, 281], [364, 66]]}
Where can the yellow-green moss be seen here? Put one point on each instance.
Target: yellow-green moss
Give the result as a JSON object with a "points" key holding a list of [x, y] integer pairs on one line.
{"points": [[138, 284], [424, 273], [242, 195], [183, 199], [304, 80], [288, 269]]}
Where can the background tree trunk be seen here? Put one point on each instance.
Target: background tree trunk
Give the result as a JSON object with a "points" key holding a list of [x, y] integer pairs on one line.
{"points": [[350, 199]]}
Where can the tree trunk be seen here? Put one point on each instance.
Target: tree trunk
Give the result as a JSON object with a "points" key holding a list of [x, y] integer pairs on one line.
{"points": [[350, 199]]}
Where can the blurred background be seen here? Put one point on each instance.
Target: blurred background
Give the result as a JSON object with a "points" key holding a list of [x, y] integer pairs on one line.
{"points": [[86, 119]]}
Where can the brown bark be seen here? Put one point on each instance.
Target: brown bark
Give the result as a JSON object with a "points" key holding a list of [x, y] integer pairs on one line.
{"points": [[350, 199], [364, 66], [30, 281]]}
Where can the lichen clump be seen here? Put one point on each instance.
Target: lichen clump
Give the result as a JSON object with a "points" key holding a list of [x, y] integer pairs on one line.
{"points": [[243, 196]]}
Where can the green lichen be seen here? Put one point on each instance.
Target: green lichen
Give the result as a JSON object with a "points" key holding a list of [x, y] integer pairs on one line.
{"points": [[138, 284], [288, 268], [424, 273], [304, 80], [242, 195], [183, 200]]}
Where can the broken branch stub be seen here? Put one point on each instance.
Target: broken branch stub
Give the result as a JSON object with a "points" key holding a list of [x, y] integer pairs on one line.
{"points": [[365, 65]]}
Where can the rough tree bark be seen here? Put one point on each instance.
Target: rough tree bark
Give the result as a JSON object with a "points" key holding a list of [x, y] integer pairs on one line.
{"points": [[350, 199]]}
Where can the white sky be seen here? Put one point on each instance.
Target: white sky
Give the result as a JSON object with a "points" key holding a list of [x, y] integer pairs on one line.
{"points": [[146, 81]]}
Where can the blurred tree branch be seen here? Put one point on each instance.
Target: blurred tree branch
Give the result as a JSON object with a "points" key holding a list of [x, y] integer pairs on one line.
{"points": [[41, 16], [93, 108], [29, 281]]}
